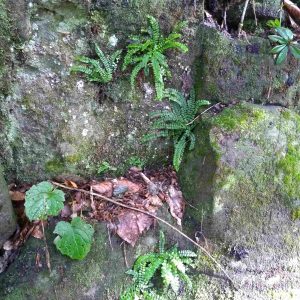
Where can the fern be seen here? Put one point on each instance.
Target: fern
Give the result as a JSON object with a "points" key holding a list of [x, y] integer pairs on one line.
{"points": [[147, 52], [177, 123], [98, 70], [170, 264]]}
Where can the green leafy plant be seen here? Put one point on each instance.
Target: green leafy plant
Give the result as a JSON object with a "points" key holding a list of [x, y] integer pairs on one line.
{"points": [[105, 167], [274, 23], [169, 265], [98, 70], [285, 39], [147, 52], [177, 123], [43, 200], [74, 239], [135, 161]]}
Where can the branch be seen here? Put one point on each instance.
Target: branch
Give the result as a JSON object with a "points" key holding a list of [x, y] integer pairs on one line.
{"points": [[119, 203]]}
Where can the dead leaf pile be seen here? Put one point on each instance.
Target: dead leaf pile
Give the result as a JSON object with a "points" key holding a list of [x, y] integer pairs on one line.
{"points": [[145, 191]]}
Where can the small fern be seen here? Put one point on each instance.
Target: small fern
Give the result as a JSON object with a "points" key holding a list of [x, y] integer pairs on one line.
{"points": [[147, 52], [98, 70], [170, 264], [177, 123]]}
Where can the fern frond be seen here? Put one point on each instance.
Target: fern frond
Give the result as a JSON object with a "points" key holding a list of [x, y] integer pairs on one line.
{"points": [[81, 69], [154, 29], [174, 45], [187, 253], [158, 79], [178, 152], [162, 241], [192, 139], [142, 64], [201, 103], [154, 136]]}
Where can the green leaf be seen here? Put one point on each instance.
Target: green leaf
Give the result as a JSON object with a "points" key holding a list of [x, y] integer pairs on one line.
{"points": [[278, 39], [282, 56], [286, 33], [277, 49], [43, 200], [295, 50], [74, 239]]}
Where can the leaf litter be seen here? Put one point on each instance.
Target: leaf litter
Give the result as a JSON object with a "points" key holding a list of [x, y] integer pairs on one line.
{"points": [[147, 191]]}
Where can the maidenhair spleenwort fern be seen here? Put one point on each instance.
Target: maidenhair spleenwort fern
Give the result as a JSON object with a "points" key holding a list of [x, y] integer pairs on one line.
{"points": [[177, 123], [147, 51], [168, 265], [98, 70]]}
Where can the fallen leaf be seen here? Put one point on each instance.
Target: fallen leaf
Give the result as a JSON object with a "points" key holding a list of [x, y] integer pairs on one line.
{"points": [[66, 211], [293, 10], [176, 203], [132, 224], [104, 188], [70, 183], [38, 262], [37, 232], [17, 196]]}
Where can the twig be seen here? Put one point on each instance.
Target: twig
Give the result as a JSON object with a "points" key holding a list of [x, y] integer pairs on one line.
{"points": [[46, 248], [254, 11], [119, 203], [125, 257], [208, 109], [109, 238], [243, 17]]}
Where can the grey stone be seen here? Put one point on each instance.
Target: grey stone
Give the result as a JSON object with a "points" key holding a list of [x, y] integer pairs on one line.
{"points": [[7, 217], [243, 182]]}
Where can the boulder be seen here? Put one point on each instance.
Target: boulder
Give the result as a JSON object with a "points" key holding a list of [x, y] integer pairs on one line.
{"points": [[231, 70], [243, 183], [7, 218]]}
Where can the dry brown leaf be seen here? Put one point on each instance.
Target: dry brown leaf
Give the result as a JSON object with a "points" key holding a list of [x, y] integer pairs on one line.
{"points": [[66, 211], [70, 184], [176, 203], [293, 10], [17, 196], [37, 232], [132, 224], [104, 188]]}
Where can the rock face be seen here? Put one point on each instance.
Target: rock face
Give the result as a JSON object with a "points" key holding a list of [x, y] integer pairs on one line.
{"points": [[7, 220], [243, 178], [54, 122], [236, 70]]}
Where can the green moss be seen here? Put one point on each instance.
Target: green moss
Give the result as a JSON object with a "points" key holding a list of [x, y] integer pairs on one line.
{"points": [[55, 166], [239, 118], [296, 213], [290, 166]]}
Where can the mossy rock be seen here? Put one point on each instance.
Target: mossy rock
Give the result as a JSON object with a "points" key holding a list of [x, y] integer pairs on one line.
{"points": [[231, 70], [243, 182]]}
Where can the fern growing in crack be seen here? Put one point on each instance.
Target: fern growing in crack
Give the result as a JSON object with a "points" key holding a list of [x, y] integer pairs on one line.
{"points": [[177, 123], [148, 52], [170, 265], [98, 70]]}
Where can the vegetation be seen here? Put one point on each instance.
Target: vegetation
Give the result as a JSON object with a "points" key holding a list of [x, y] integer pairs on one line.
{"points": [[177, 123], [98, 70], [147, 51], [105, 167], [169, 265], [75, 238], [285, 39]]}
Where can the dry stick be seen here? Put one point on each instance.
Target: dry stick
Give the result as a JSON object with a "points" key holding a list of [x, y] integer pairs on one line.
{"points": [[243, 17], [254, 11], [153, 216], [46, 248], [203, 113]]}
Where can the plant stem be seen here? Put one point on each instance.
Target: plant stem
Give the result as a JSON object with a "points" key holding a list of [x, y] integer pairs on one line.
{"points": [[46, 248], [119, 203], [243, 17]]}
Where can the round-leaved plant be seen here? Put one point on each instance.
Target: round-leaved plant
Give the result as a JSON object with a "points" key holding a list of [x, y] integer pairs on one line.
{"points": [[74, 239], [43, 200]]}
